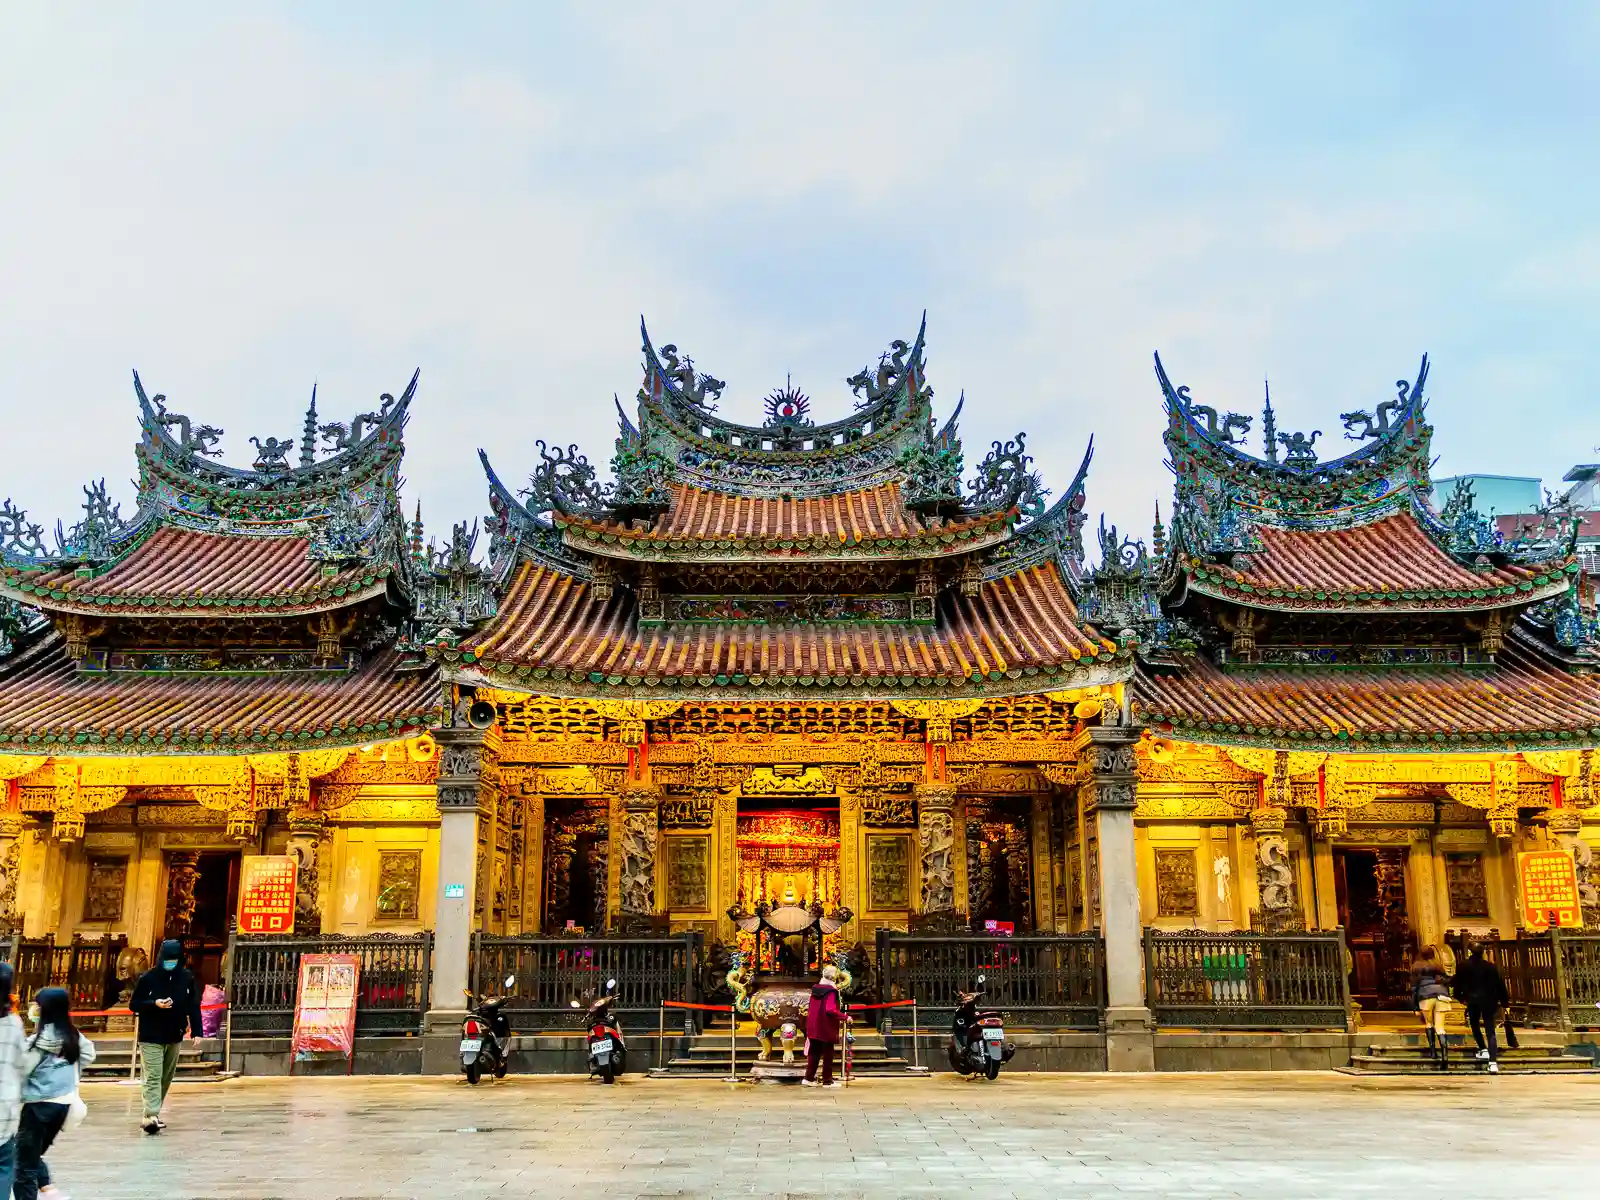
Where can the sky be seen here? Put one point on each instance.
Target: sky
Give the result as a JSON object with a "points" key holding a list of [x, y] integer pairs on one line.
{"points": [[241, 201]]}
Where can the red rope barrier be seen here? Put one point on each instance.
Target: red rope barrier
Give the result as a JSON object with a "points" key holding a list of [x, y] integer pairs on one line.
{"points": [[886, 1004], [701, 1007]]}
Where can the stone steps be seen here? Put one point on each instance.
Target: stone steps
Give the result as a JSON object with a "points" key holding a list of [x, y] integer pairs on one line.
{"points": [[113, 1059], [1417, 1060], [708, 1055]]}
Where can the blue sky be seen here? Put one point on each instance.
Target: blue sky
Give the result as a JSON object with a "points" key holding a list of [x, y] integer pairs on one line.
{"points": [[240, 202]]}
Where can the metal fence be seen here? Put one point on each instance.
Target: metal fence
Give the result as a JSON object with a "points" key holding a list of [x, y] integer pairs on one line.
{"points": [[549, 973], [1043, 981], [1553, 978], [1247, 980], [392, 994]]}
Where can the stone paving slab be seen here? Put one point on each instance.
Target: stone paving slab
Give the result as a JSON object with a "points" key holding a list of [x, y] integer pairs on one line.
{"points": [[1024, 1136]]}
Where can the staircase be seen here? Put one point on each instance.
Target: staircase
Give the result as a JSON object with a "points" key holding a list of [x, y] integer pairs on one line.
{"points": [[1540, 1052], [708, 1056], [113, 1059]]}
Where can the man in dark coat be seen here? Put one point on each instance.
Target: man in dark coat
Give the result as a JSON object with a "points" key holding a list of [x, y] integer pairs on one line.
{"points": [[167, 1002], [822, 1028], [1482, 989]]}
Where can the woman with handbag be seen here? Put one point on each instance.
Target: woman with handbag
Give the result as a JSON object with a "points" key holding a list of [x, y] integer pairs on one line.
{"points": [[1430, 996], [50, 1064]]}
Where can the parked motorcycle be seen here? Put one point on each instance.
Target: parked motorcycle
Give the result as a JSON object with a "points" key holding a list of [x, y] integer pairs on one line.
{"points": [[608, 1052], [486, 1037], [978, 1043]]}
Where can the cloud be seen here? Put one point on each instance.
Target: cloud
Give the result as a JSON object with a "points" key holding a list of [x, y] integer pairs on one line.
{"points": [[239, 202]]}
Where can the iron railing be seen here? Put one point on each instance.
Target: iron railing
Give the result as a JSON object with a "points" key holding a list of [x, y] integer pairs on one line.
{"points": [[548, 973], [1553, 978], [392, 987], [1043, 981], [1247, 980]]}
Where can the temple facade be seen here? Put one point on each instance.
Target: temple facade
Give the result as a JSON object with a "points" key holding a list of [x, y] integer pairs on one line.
{"points": [[823, 663]]}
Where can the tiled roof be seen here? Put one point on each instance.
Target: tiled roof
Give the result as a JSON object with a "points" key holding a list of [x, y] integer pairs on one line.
{"points": [[183, 572], [46, 702], [865, 521], [550, 627], [1521, 697], [1387, 565]]}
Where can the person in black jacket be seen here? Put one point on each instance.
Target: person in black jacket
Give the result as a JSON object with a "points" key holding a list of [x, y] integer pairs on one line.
{"points": [[167, 1002], [1483, 990]]}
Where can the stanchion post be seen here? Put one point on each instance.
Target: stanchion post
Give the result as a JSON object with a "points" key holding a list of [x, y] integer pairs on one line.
{"points": [[733, 1043], [661, 1033], [916, 1049]]}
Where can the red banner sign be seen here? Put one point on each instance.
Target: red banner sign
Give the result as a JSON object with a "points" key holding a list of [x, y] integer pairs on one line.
{"points": [[325, 1005], [1549, 885], [266, 894]]}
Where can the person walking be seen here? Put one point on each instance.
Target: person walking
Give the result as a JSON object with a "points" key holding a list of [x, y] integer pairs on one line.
{"points": [[51, 1060], [167, 1002], [12, 1038], [1430, 996], [822, 1028], [1482, 989]]}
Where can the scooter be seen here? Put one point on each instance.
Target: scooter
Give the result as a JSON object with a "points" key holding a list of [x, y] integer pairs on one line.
{"points": [[486, 1037], [608, 1052], [978, 1043]]}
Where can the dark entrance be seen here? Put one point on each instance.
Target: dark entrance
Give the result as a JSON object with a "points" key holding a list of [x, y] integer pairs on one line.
{"points": [[1371, 888], [202, 897]]}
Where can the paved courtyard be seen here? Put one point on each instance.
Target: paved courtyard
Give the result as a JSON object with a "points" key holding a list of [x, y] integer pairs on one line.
{"points": [[1290, 1135]]}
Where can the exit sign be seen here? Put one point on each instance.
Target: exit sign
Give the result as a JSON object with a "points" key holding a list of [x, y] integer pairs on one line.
{"points": [[455, 891]]}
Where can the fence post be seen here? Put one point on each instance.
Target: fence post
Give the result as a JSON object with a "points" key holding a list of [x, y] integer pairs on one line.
{"points": [[1149, 970], [227, 1013], [885, 1021], [1558, 969], [427, 982], [1343, 968]]}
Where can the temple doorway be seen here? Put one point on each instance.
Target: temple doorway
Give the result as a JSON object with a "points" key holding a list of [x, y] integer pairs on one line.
{"points": [[202, 899], [1370, 884], [577, 841], [787, 856], [999, 866]]}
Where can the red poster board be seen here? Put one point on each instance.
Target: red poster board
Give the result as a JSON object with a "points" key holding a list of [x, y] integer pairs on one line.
{"points": [[1549, 881], [266, 894], [325, 1006]]}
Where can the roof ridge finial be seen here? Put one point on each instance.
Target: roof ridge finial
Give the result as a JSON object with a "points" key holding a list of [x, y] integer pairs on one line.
{"points": [[1158, 536], [417, 546], [1269, 427], [308, 435]]}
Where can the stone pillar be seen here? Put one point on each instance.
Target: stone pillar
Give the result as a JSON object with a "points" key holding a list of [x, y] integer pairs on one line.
{"points": [[936, 853], [1277, 889], [469, 778], [1044, 898], [1566, 833], [639, 806], [306, 829], [12, 824], [1108, 783]]}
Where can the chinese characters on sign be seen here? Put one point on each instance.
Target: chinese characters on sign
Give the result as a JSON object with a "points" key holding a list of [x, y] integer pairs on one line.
{"points": [[325, 1006], [1549, 885], [266, 894]]}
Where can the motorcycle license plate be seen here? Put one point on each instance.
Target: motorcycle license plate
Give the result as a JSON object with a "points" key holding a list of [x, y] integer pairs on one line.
{"points": [[471, 1045], [600, 1046], [994, 1035]]}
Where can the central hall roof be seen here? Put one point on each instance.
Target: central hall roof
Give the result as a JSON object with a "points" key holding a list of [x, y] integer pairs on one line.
{"points": [[1019, 633], [863, 521]]}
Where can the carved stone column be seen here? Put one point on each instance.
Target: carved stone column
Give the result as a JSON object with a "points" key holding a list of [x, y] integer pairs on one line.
{"points": [[469, 781], [12, 825], [1108, 784], [183, 871], [1278, 903], [1044, 900], [306, 831], [937, 849], [634, 848]]}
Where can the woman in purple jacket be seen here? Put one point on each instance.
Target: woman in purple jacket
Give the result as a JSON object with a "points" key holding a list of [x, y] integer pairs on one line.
{"points": [[822, 1028]]}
